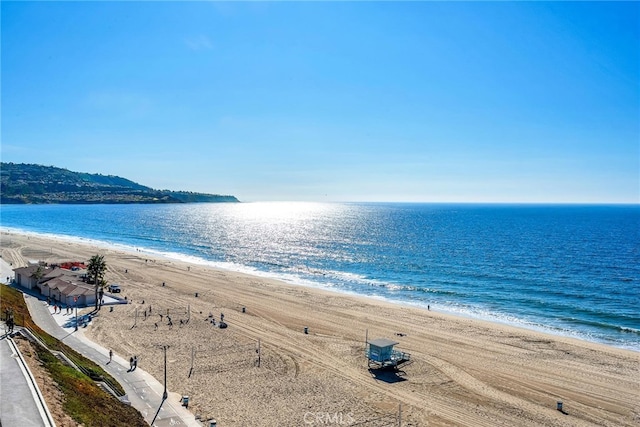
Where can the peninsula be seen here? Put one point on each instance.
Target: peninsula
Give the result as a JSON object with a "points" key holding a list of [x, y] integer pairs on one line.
{"points": [[36, 184]]}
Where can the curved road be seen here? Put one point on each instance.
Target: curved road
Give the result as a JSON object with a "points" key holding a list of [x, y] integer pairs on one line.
{"points": [[21, 404]]}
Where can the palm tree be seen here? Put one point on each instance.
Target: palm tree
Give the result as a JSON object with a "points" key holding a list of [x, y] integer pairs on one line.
{"points": [[95, 272]]}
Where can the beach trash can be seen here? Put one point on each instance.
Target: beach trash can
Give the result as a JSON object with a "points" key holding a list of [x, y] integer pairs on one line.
{"points": [[306, 330], [559, 405], [196, 295], [244, 309]]}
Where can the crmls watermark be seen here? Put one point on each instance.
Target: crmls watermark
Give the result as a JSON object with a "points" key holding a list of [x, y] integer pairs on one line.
{"points": [[328, 418]]}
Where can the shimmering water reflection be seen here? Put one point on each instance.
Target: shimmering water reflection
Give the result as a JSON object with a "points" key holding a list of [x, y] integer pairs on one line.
{"points": [[573, 270]]}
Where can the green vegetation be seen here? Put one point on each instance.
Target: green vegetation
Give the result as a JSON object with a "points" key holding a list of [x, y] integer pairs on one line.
{"points": [[84, 401], [37, 184], [95, 272]]}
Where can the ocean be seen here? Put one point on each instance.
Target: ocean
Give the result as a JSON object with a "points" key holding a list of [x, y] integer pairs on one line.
{"points": [[571, 270]]}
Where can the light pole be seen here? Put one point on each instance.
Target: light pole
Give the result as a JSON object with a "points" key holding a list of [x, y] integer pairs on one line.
{"points": [[164, 394]]}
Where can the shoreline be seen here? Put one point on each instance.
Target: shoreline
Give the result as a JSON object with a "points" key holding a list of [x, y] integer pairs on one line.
{"points": [[243, 270], [465, 371]]}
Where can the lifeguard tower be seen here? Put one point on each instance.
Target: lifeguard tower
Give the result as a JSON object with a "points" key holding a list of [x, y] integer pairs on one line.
{"points": [[380, 354]]}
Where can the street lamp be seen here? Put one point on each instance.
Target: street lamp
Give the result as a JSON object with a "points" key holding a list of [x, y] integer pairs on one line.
{"points": [[165, 395]]}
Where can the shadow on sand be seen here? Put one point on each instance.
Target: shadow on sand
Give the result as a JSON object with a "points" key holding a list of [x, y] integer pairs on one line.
{"points": [[388, 375]]}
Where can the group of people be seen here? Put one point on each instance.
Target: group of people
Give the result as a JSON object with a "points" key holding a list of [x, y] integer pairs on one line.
{"points": [[169, 320], [133, 361], [212, 320], [57, 307]]}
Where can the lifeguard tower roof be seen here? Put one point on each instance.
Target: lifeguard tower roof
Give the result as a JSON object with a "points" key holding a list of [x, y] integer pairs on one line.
{"points": [[383, 342], [381, 353]]}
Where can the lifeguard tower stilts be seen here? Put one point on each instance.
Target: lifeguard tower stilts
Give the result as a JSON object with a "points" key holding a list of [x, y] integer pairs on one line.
{"points": [[380, 354]]}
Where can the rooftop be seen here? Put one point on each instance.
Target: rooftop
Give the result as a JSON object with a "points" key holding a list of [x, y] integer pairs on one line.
{"points": [[382, 342]]}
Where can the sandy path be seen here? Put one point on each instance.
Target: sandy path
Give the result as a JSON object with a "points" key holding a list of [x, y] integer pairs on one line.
{"points": [[464, 372]]}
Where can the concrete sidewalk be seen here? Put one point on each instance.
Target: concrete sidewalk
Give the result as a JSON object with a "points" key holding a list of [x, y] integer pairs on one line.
{"points": [[143, 391], [22, 403]]}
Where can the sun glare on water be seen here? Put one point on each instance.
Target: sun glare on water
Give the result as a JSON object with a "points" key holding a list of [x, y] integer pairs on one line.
{"points": [[278, 212]]}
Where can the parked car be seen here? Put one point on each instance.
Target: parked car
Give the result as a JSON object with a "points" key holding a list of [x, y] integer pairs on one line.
{"points": [[114, 289]]}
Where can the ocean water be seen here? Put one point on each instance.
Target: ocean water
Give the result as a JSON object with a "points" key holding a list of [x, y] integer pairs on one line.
{"points": [[564, 269]]}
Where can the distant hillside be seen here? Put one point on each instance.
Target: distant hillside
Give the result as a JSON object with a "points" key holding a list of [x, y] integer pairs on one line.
{"points": [[36, 184]]}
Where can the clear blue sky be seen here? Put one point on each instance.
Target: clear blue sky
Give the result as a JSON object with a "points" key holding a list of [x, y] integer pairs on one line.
{"points": [[346, 101]]}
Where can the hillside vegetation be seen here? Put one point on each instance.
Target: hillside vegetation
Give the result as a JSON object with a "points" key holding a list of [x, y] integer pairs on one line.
{"points": [[37, 184]]}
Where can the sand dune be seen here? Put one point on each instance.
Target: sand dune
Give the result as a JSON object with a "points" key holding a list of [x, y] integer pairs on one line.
{"points": [[463, 371]]}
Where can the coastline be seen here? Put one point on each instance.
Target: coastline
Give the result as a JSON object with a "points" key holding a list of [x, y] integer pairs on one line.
{"points": [[465, 371], [474, 313]]}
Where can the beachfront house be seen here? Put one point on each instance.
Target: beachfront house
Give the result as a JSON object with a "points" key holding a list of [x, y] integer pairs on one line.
{"points": [[62, 285], [29, 277], [68, 293]]}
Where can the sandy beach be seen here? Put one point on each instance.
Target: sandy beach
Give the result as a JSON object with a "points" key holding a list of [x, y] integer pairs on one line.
{"points": [[462, 372]]}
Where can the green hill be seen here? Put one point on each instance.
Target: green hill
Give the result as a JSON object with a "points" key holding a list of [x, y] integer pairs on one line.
{"points": [[37, 184]]}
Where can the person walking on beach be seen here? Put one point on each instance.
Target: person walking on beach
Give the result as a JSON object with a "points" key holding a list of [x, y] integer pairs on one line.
{"points": [[131, 364], [110, 355], [135, 362]]}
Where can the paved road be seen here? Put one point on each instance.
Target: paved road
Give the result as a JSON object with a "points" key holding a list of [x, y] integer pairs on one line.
{"points": [[143, 390], [20, 405]]}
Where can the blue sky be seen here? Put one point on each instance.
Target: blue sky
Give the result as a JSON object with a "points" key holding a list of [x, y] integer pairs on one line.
{"points": [[331, 101]]}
